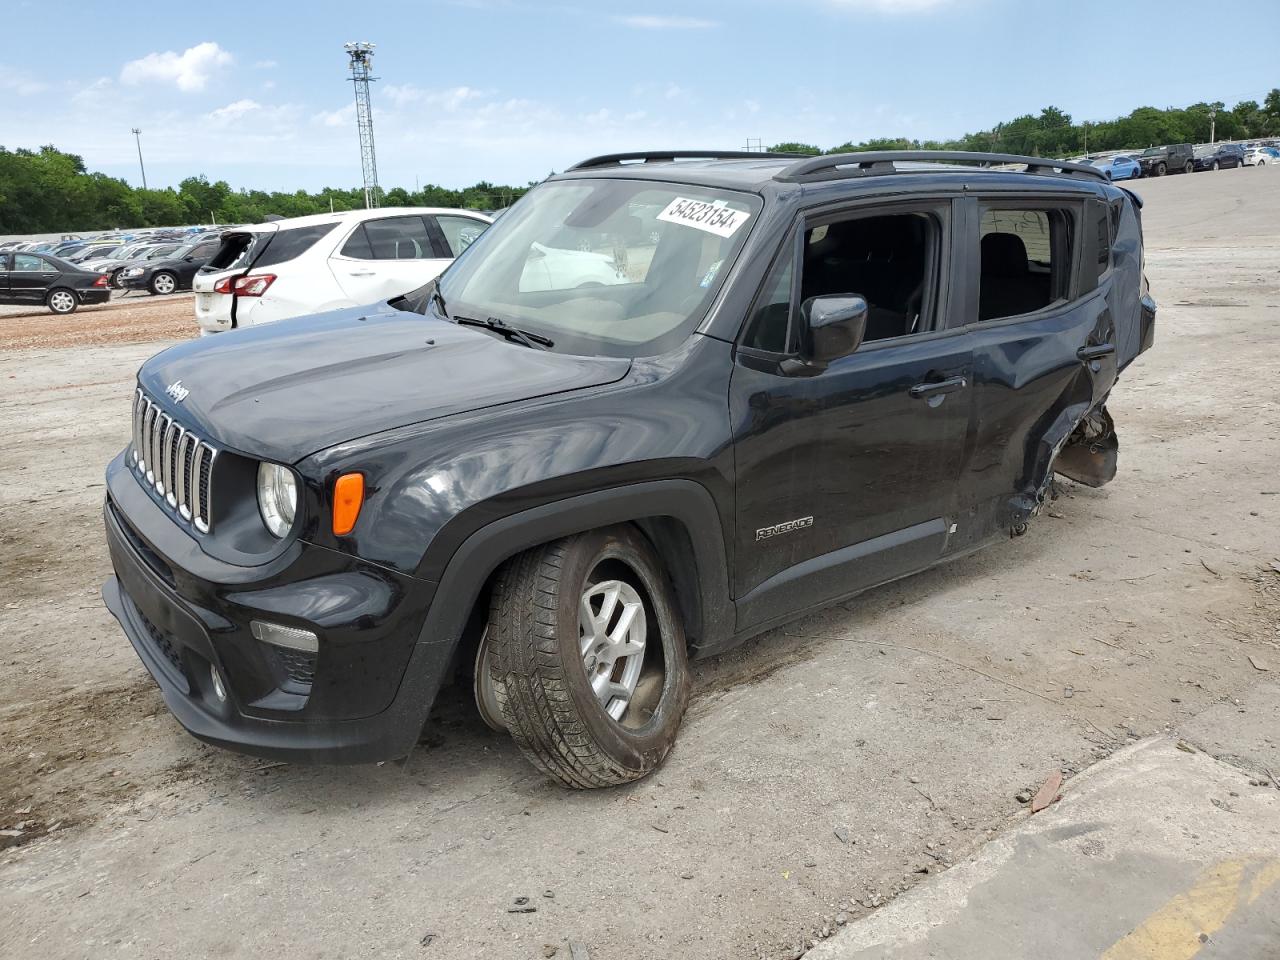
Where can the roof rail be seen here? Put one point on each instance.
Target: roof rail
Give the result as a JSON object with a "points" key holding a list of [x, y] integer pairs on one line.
{"points": [[666, 156], [841, 165]]}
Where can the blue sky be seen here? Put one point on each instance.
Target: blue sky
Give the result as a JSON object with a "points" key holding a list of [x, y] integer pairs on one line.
{"points": [[507, 90]]}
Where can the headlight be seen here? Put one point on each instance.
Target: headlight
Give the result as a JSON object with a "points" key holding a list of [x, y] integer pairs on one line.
{"points": [[133, 272], [277, 497]]}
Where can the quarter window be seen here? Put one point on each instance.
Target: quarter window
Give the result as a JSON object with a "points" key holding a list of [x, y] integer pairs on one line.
{"points": [[1025, 261]]}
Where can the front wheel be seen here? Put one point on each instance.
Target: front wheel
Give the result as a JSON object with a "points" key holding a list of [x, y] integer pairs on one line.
{"points": [[62, 301], [1161, 169], [162, 283], [1214, 166], [1189, 167], [587, 657]]}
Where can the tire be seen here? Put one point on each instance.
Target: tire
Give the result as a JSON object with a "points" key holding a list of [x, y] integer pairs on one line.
{"points": [[1161, 170], [1214, 166], [541, 653], [162, 283], [62, 301], [1189, 168], [115, 282]]}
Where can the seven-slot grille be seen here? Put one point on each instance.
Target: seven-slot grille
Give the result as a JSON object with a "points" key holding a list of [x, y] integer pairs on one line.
{"points": [[176, 463]]}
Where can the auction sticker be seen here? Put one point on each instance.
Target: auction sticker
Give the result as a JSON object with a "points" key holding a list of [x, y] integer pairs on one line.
{"points": [[714, 218]]}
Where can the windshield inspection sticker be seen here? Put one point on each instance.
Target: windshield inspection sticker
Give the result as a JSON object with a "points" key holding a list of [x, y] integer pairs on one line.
{"points": [[714, 218]]}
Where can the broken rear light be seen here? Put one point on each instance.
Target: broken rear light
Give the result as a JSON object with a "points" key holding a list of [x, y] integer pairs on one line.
{"points": [[254, 286], [102, 280]]}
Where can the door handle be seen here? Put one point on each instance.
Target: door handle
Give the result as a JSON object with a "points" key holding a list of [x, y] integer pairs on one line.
{"points": [[1096, 352], [361, 273], [938, 388]]}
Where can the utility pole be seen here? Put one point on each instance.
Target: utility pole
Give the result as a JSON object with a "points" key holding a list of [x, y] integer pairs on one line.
{"points": [[137, 136], [361, 55], [1086, 139], [1213, 125]]}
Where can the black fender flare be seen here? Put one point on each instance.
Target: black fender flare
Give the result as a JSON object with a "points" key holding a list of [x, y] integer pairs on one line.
{"points": [[706, 601]]}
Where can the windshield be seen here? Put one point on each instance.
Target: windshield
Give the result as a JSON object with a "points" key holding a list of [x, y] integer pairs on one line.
{"points": [[611, 267], [1153, 151]]}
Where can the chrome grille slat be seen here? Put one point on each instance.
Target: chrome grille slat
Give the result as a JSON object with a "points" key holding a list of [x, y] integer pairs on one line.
{"points": [[174, 462]]}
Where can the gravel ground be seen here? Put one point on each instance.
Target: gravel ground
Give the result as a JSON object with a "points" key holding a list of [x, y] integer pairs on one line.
{"points": [[131, 318], [822, 768]]}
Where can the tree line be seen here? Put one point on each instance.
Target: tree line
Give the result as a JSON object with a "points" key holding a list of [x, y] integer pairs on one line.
{"points": [[49, 191], [1054, 134]]}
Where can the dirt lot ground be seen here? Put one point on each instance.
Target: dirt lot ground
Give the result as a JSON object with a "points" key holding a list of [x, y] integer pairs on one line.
{"points": [[127, 318], [823, 768]]}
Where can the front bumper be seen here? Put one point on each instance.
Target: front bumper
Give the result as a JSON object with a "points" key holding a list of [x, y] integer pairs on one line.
{"points": [[371, 684]]}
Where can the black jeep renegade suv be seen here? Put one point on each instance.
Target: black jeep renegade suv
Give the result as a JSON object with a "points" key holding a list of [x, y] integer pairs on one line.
{"points": [[668, 401]]}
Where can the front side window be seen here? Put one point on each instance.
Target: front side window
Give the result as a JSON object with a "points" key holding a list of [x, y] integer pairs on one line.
{"points": [[460, 232], [1025, 261], [604, 266]]}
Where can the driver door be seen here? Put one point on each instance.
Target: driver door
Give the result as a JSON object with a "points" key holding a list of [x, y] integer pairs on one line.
{"points": [[846, 476]]}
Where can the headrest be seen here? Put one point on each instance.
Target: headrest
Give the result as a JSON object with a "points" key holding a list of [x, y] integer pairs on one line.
{"points": [[1003, 255]]}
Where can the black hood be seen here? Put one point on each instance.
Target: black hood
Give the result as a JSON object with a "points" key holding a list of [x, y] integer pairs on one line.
{"points": [[285, 390]]}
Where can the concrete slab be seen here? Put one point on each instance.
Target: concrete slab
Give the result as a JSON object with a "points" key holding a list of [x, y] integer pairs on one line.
{"points": [[1153, 854]]}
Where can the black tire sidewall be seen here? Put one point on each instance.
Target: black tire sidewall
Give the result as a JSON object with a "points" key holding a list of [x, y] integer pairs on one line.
{"points": [[643, 748]]}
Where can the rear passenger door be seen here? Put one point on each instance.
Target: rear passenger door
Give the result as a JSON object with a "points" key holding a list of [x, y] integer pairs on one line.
{"points": [[1043, 342], [5, 259], [385, 258], [846, 475]]}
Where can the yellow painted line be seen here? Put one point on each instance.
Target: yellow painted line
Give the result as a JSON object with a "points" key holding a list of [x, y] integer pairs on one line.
{"points": [[1173, 932]]}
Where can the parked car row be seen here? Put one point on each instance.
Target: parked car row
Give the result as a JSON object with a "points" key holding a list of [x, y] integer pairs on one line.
{"points": [[1183, 158]]}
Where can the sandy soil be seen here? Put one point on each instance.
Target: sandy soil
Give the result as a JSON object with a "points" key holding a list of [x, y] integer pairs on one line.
{"points": [[905, 721], [132, 318]]}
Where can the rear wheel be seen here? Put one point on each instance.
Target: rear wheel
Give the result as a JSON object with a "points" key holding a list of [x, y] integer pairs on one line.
{"points": [[587, 657], [62, 300], [162, 283]]}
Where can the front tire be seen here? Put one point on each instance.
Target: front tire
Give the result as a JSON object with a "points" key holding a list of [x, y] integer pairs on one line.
{"points": [[163, 283], [587, 657], [1214, 166], [1161, 169], [62, 301], [1189, 167]]}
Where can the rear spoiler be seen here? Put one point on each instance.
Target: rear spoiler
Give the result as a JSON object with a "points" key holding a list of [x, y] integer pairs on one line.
{"points": [[1137, 200]]}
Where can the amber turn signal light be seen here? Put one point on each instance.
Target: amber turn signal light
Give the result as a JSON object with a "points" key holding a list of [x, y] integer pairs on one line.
{"points": [[348, 494]]}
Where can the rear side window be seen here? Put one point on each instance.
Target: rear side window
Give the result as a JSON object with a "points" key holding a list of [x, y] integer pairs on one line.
{"points": [[460, 232], [395, 238], [1026, 260], [285, 245]]}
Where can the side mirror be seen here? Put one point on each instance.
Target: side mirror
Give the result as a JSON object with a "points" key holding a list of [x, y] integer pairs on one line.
{"points": [[835, 325]]}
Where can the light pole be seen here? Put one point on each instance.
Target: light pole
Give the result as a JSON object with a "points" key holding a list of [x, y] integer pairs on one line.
{"points": [[137, 135], [1213, 125]]}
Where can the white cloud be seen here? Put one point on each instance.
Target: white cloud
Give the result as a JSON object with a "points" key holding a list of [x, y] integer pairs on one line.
{"points": [[644, 22], [19, 83], [451, 99], [234, 111], [889, 6], [337, 118], [189, 70]]}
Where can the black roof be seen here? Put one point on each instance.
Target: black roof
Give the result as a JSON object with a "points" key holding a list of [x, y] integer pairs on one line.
{"points": [[756, 172]]}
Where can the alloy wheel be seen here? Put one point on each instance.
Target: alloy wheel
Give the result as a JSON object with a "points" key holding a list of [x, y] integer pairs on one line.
{"points": [[612, 630], [62, 301]]}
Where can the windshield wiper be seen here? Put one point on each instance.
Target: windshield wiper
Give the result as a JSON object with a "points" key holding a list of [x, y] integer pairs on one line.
{"points": [[438, 299], [534, 341]]}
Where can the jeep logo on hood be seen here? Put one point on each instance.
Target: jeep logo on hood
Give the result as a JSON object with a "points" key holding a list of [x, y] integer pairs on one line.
{"points": [[176, 391]]}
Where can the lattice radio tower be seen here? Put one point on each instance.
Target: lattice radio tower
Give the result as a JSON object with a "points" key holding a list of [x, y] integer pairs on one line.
{"points": [[361, 68]]}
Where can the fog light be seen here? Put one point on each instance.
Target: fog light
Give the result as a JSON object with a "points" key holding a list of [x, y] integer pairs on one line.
{"points": [[219, 690], [291, 638]]}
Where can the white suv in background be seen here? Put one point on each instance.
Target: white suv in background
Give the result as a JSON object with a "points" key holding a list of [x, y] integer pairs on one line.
{"points": [[288, 268]]}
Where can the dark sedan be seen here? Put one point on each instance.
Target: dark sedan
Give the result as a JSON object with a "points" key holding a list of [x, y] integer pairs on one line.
{"points": [[172, 273], [41, 279], [1224, 156]]}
